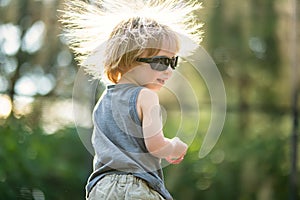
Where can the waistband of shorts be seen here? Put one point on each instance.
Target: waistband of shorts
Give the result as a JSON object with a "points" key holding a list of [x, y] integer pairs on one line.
{"points": [[122, 178]]}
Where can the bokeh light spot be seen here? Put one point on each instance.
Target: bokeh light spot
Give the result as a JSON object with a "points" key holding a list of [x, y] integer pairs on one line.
{"points": [[25, 86], [34, 37], [5, 106], [10, 39], [4, 3], [64, 58]]}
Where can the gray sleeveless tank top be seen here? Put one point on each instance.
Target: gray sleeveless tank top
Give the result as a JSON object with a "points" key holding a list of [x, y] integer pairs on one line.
{"points": [[118, 140]]}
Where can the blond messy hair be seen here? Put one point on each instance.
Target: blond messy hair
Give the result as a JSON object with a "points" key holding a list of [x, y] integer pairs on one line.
{"points": [[88, 25], [130, 39]]}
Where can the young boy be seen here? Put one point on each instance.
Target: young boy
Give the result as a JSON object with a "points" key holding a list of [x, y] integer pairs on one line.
{"points": [[128, 137], [139, 56]]}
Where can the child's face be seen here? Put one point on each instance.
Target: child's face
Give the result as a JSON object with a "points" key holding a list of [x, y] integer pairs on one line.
{"points": [[144, 75]]}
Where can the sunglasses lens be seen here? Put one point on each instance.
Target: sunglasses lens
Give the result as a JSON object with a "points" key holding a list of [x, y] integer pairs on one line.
{"points": [[158, 66], [160, 63]]}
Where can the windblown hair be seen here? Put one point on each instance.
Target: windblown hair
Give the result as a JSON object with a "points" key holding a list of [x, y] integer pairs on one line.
{"points": [[134, 37], [107, 36]]}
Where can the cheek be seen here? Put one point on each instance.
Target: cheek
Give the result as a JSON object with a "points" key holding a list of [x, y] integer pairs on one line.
{"points": [[147, 75], [150, 76], [150, 73], [155, 74]]}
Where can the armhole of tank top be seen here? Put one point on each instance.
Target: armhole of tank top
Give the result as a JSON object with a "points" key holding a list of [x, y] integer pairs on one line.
{"points": [[133, 106]]}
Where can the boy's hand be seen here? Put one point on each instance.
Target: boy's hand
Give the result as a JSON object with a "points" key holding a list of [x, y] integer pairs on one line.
{"points": [[180, 148], [179, 153], [175, 160]]}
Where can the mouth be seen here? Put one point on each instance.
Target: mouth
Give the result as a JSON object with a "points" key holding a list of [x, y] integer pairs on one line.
{"points": [[161, 81]]}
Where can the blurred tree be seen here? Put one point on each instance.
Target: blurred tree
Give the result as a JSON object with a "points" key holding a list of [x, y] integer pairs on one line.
{"points": [[251, 160], [35, 61], [38, 166], [36, 73]]}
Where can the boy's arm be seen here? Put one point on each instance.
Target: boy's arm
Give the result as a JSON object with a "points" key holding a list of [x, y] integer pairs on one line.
{"points": [[156, 143]]}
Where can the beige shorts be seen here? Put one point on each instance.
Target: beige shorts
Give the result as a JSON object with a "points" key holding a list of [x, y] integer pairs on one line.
{"points": [[123, 186]]}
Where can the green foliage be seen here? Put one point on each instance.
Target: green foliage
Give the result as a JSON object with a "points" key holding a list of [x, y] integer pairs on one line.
{"points": [[33, 163], [252, 164]]}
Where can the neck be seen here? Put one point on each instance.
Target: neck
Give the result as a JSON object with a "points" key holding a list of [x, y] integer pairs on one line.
{"points": [[124, 79]]}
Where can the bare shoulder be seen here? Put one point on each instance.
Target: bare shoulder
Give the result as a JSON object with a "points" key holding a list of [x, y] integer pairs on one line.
{"points": [[147, 97]]}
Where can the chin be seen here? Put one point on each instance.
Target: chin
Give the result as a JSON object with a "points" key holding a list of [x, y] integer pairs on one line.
{"points": [[154, 87]]}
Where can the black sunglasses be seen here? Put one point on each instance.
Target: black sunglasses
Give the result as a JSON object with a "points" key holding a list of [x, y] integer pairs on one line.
{"points": [[160, 63]]}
